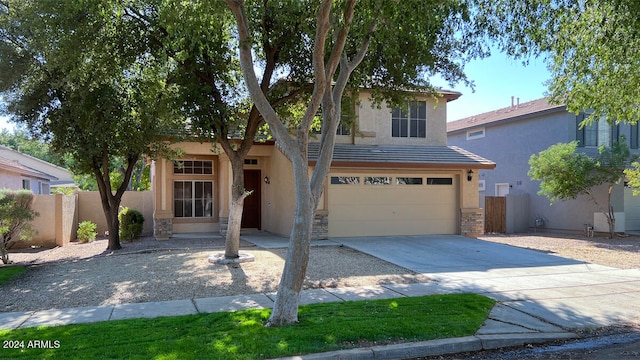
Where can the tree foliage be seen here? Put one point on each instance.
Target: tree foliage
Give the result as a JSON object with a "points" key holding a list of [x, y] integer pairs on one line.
{"points": [[344, 46], [565, 174], [15, 214], [592, 48], [79, 75]]}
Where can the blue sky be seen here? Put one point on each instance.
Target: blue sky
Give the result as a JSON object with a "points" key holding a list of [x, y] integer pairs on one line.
{"points": [[496, 79]]}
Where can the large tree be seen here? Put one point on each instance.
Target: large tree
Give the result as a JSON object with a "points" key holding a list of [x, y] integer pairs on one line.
{"points": [[197, 35], [387, 46], [79, 75], [565, 174]]}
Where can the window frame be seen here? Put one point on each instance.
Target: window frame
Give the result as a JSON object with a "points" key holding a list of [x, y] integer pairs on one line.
{"points": [[471, 134], [183, 170], [193, 200], [411, 123]]}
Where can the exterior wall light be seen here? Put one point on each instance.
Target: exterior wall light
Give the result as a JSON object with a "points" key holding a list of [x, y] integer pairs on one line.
{"points": [[266, 180], [469, 175]]}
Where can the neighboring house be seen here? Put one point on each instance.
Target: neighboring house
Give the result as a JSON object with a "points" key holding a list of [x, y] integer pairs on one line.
{"points": [[509, 136], [16, 176], [392, 174], [59, 177]]}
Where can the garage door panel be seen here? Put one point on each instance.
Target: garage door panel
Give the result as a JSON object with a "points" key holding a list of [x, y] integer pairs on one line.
{"points": [[361, 210], [377, 228]]}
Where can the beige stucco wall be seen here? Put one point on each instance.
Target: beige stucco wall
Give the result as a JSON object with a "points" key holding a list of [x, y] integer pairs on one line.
{"points": [[374, 124], [44, 224], [90, 208], [278, 196]]}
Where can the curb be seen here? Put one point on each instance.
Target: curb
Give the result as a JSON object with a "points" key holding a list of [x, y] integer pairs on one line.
{"points": [[436, 347]]}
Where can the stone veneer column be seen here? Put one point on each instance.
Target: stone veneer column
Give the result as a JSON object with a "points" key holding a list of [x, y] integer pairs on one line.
{"points": [[320, 226], [224, 224], [162, 228], [472, 222]]}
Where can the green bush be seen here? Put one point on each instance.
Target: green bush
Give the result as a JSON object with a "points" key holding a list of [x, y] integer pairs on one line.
{"points": [[131, 224], [15, 215], [86, 232]]}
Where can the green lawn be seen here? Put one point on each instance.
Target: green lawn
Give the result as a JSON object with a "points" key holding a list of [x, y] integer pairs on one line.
{"points": [[9, 272], [241, 334]]}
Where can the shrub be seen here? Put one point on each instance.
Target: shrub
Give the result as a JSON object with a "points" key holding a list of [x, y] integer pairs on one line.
{"points": [[87, 232], [131, 223], [15, 214]]}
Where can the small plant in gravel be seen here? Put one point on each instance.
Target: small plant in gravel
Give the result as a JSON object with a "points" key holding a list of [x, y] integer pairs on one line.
{"points": [[131, 224], [87, 232]]}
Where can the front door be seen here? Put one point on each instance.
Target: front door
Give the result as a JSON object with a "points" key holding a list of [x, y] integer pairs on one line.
{"points": [[251, 214]]}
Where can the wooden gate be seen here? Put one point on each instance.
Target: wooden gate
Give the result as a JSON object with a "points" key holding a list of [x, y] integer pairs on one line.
{"points": [[495, 213]]}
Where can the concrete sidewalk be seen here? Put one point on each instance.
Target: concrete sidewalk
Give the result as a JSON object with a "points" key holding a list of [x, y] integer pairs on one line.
{"points": [[505, 326], [540, 297]]}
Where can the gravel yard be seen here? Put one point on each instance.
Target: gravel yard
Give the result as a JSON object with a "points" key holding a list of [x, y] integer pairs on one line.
{"points": [[150, 270], [619, 252]]}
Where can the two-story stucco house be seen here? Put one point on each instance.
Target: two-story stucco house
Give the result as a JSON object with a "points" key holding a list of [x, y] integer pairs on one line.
{"points": [[391, 174], [509, 136]]}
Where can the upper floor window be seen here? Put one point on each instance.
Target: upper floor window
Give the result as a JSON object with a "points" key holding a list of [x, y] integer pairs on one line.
{"points": [[343, 129], [599, 132], [410, 122], [26, 184]]}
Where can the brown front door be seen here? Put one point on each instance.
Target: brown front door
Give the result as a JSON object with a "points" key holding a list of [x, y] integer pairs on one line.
{"points": [[251, 214]]}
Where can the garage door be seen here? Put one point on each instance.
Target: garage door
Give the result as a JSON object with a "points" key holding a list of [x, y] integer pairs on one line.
{"points": [[404, 204]]}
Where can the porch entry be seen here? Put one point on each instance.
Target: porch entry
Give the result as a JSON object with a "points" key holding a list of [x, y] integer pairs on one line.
{"points": [[495, 213], [252, 214]]}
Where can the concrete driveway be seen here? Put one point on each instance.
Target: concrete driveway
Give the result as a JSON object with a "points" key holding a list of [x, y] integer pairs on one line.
{"points": [[564, 292]]}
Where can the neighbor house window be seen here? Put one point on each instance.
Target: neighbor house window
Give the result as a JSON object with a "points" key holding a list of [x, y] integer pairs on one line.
{"points": [[481, 185], [475, 134], [599, 132], [26, 184], [410, 122], [198, 167], [633, 141], [193, 199]]}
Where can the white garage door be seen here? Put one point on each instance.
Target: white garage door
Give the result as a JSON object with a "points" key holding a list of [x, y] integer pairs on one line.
{"points": [[404, 204]]}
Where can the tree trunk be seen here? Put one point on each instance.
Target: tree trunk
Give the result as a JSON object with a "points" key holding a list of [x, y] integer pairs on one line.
{"points": [[114, 227], [611, 218], [285, 307], [232, 241]]}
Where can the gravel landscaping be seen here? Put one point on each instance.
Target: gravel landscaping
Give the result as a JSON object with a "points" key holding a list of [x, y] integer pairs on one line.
{"points": [[151, 270]]}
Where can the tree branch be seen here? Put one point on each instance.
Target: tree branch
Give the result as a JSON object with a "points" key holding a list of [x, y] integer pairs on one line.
{"points": [[246, 64]]}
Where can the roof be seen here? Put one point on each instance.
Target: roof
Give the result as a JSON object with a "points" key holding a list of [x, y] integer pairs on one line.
{"points": [[348, 155], [511, 113], [57, 174], [14, 166]]}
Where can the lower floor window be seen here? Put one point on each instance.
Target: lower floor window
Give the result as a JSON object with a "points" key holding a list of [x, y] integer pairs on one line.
{"points": [[193, 199]]}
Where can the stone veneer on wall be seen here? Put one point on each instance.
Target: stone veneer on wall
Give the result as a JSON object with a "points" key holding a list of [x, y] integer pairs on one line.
{"points": [[224, 225], [320, 226], [472, 222], [162, 228]]}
